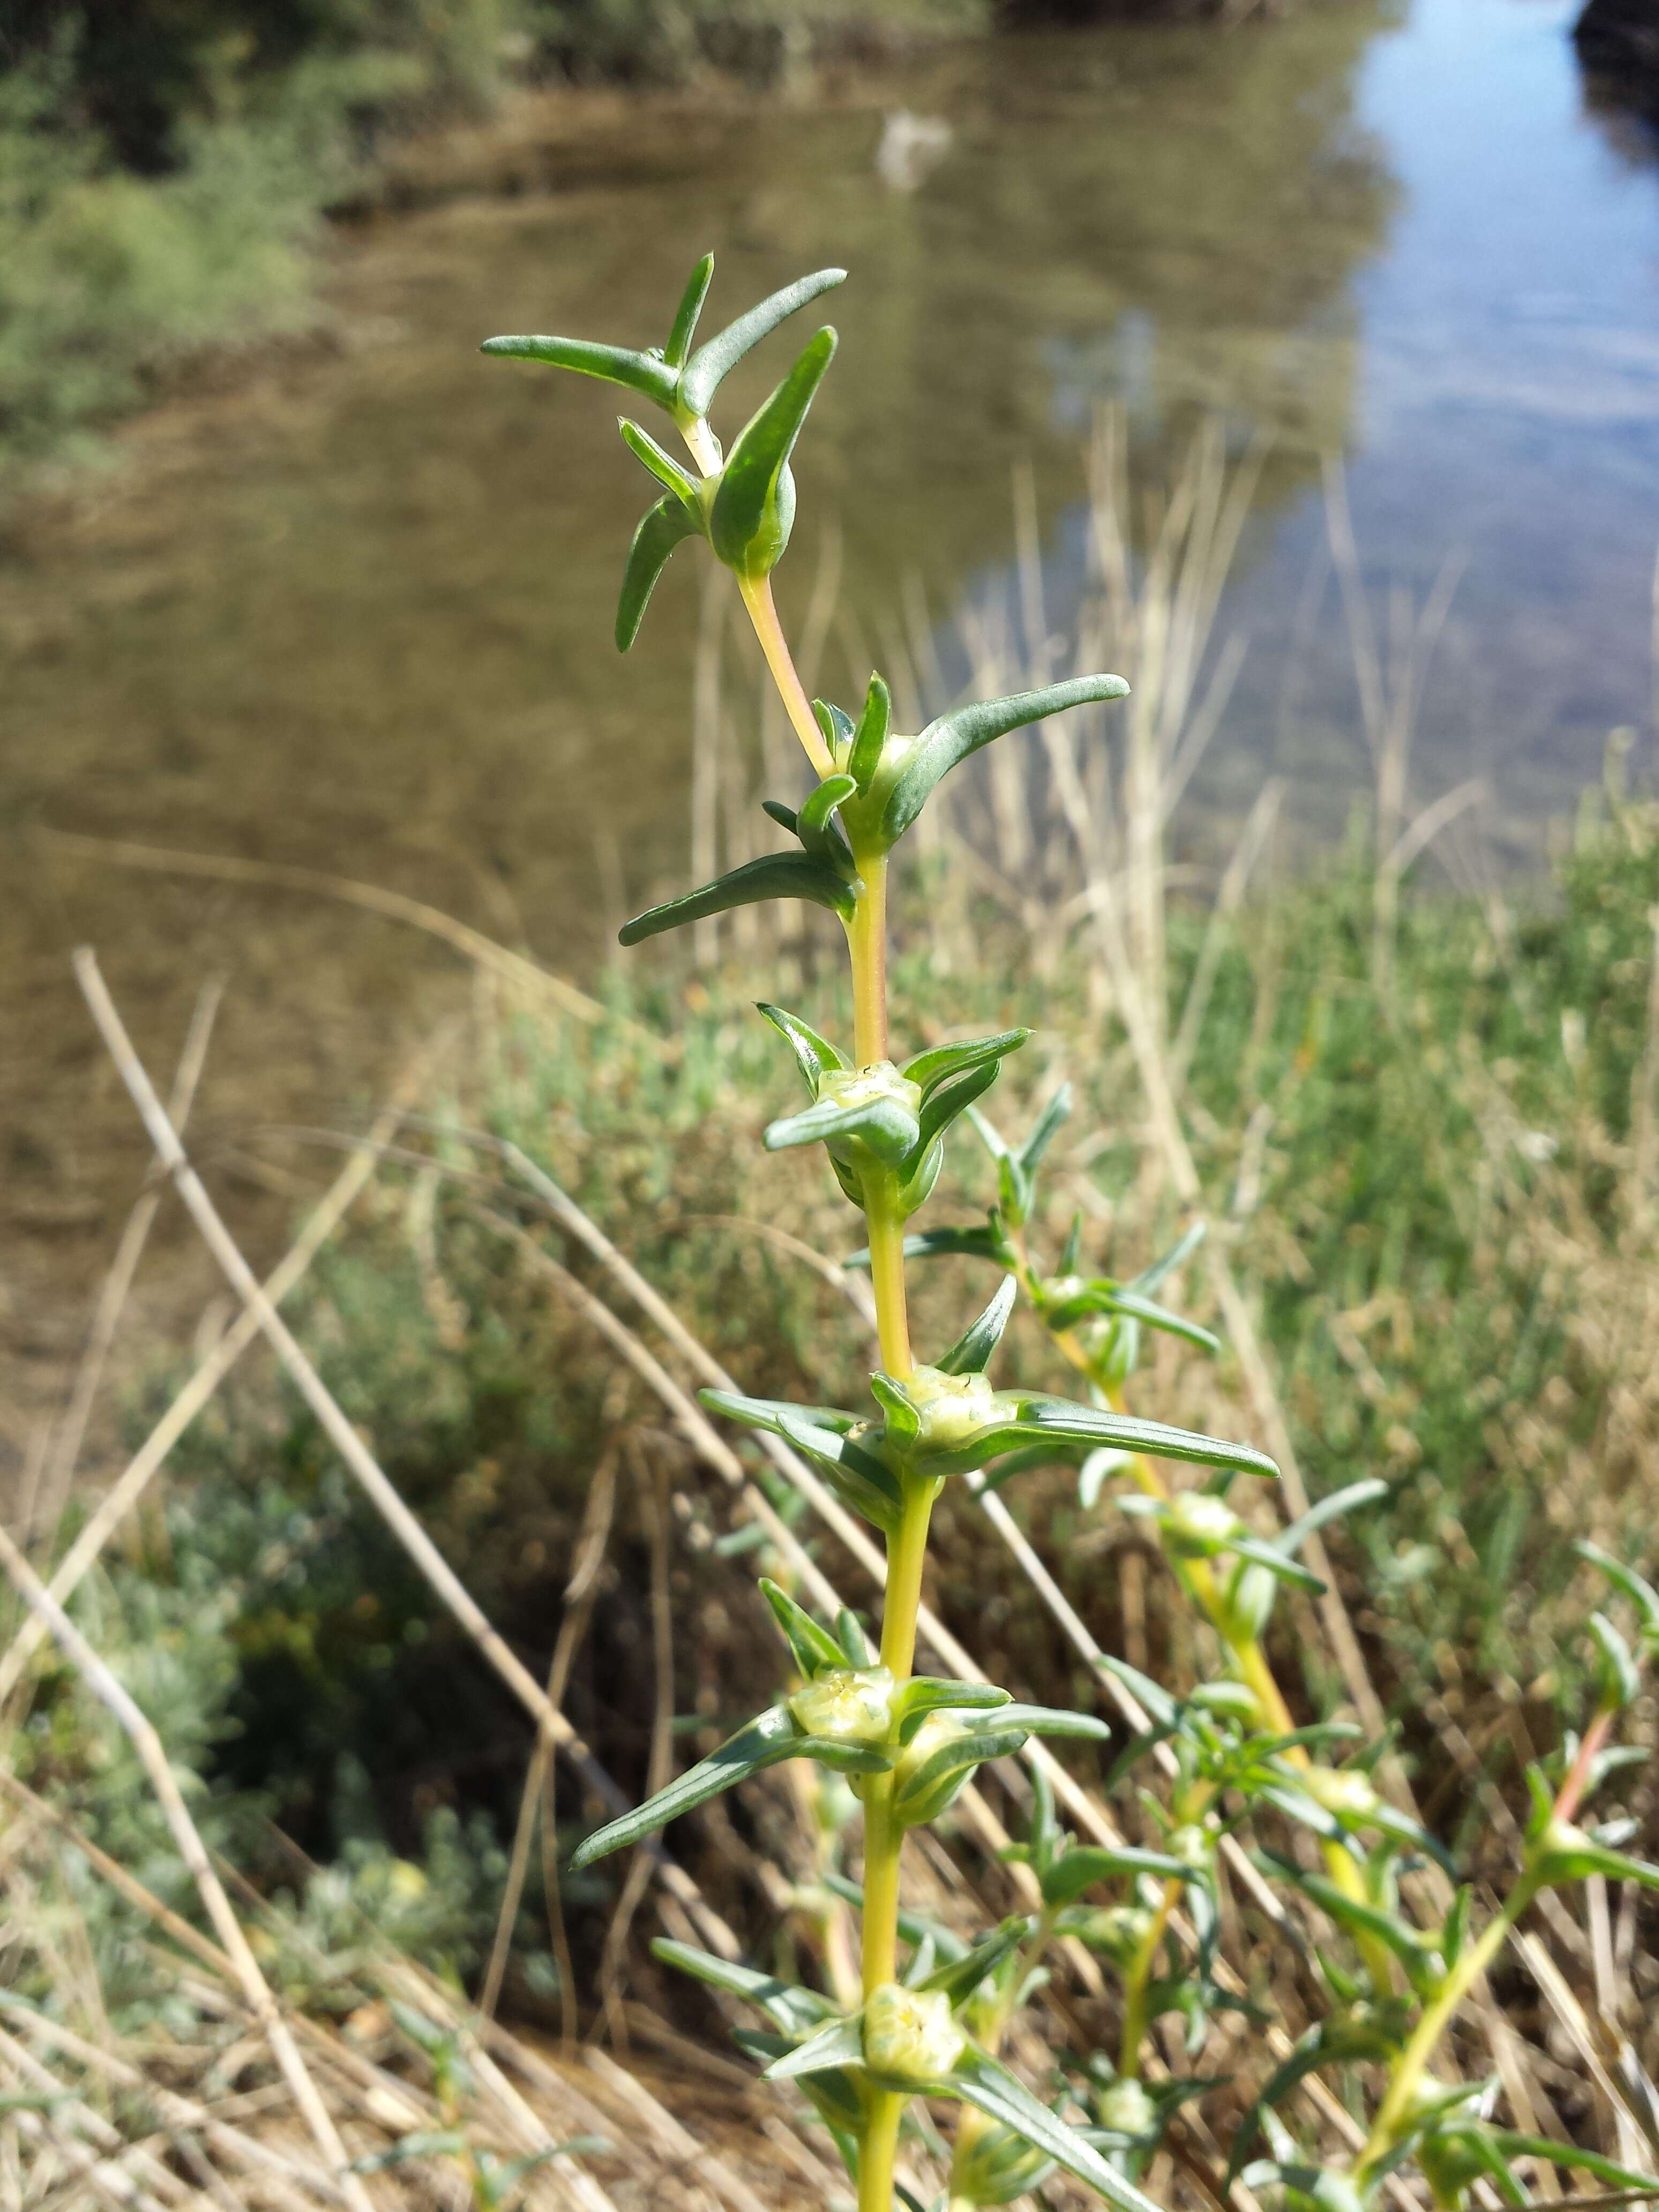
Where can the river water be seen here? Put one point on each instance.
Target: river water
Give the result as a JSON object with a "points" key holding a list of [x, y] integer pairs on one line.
{"points": [[351, 610]]}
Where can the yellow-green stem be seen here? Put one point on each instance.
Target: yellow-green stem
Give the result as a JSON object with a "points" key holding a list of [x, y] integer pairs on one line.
{"points": [[1135, 1983], [700, 443], [1393, 2113], [878, 2151], [866, 942], [907, 1548], [763, 613]]}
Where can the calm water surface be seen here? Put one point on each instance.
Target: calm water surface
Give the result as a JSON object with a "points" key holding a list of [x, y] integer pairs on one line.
{"points": [[356, 614]]}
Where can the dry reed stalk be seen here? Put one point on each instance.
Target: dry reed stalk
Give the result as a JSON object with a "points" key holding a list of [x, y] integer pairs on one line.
{"points": [[1252, 841], [382, 1491], [1389, 700], [660, 1758], [185, 2116], [124, 1495], [112, 1297], [188, 1841], [579, 1592], [483, 951]]}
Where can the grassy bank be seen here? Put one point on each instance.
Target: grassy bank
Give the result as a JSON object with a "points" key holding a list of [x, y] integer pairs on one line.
{"points": [[1438, 1195]]}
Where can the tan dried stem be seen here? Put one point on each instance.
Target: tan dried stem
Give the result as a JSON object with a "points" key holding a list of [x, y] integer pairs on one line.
{"points": [[187, 1839]]}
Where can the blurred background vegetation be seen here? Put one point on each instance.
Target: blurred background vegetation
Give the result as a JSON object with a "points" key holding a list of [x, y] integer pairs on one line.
{"points": [[340, 650]]}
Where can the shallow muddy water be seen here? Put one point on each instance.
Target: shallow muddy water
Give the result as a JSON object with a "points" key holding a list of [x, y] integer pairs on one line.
{"points": [[353, 611]]}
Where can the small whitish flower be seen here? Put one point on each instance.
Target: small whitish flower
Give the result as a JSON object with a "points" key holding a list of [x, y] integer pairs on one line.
{"points": [[938, 1729], [1198, 1523], [954, 1408], [854, 1705], [1350, 1795], [1192, 1845], [869, 1086], [1124, 2108], [909, 2037]]}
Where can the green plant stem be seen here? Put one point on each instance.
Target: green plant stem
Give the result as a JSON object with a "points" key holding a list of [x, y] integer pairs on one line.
{"points": [[763, 613], [1393, 2113], [866, 942], [757, 594], [1245, 1651], [906, 1547], [1136, 1981]]}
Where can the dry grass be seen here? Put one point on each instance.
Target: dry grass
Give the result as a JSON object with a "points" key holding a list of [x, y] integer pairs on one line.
{"points": [[1058, 854]]}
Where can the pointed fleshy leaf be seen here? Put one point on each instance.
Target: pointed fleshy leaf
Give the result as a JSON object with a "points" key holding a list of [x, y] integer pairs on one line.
{"points": [[863, 758], [1641, 1593], [953, 737], [837, 725], [838, 2043], [819, 830], [902, 1416], [640, 372], [686, 315], [815, 1056], [1085, 1865], [773, 875], [662, 528], [768, 1413], [1049, 1123], [952, 1097], [1154, 1278], [833, 2093], [969, 1244], [754, 508], [1128, 1432], [858, 1478], [1106, 1296], [1621, 1683], [929, 1069], [811, 1645], [1291, 1538], [1415, 1951], [923, 1794], [1276, 1562], [928, 1693], [981, 2081], [971, 1352], [854, 1643], [1570, 2155], [1053, 1720], [665, 469], [774, 1736], [959, 1978], [715, 360], [796, 2008], [885, 1124], [785, 817]]}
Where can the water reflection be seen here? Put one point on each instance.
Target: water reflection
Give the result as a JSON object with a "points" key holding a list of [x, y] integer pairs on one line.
{"points": [[354, 611]]}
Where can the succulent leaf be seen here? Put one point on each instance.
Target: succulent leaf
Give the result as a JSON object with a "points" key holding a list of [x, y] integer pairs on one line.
{"points": [[772, 875], [754, 508], [715, 359], [952, 737], [662, 528]]}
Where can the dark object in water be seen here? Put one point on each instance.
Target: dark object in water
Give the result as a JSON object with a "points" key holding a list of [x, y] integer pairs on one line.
{"points": [[1618, 43]]}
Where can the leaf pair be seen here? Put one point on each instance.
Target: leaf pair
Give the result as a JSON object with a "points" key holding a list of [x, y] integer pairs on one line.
{"points": [[676, 379], [976, 2079], [747, 509], [886, 1118]]}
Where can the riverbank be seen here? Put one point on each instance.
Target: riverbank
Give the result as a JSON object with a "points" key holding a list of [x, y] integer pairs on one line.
{"points": [[1434, 1177]]}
